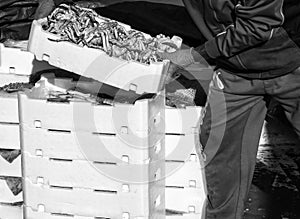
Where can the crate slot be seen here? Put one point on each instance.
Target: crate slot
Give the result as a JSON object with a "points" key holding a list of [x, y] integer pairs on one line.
{"points": [[105, 191], [9, 123], [175, 161], [60, 160], [59, 130], [104, 134], [175, 134], [61, 215], [104, 163], [175, 187], [60, 187]]}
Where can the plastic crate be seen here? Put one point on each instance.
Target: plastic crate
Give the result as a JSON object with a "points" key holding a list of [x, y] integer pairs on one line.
{"points": [[91, 203], [11, 169], [15, 61], [185, 179], [96, 64], [181, 148], [6, 194], [120, 119], [183, 121], [85, 174], [191, 200], [11, 212], [83, 146], [81, 116], [184, 175], [9, 136], [30, 214], [65, 145], [12, 78], [9, 108]]}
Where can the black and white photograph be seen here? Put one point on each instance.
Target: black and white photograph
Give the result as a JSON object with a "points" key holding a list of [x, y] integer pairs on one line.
{"points": [[149, 109]]}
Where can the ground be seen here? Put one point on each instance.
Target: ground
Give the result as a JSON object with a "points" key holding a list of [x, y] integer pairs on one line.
{"points": [[275, 189]]}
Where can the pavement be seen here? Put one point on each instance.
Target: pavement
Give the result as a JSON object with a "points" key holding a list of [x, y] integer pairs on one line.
{"points": [[275, 190]]}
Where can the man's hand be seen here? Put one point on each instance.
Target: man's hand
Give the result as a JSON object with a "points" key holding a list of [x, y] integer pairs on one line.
{"points": [[173, 73], [44, 9], [182, 57]]}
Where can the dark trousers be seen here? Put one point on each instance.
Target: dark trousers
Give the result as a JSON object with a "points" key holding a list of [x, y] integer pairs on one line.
{"points": [[230, 134]]}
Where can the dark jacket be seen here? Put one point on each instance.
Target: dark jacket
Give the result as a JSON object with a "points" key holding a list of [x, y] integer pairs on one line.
{"points": [[246, 36]]}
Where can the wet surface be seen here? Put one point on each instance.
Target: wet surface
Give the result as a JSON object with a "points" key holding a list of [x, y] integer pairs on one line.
{"points": [[275, 189]]}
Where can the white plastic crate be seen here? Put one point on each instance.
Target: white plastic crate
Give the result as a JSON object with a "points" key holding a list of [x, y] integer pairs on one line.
{"points": [[102, 148], [191, 200], [90, 203], [30, 214], [96, 64], [9, 136], [186, 180], [6, 194], [181, 148], [120, 119], [11, 169], [9, 108], [12, 78], [85, 174], [183, 121], [11, 212], [181, 175], [83, 146], [15, 61]]}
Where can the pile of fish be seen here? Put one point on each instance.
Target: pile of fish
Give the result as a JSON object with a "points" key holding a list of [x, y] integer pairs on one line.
{"points": [[85, 27], [15, 87]]}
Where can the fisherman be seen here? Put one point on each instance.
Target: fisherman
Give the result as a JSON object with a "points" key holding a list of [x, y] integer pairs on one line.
{"points": [[256, 54]]}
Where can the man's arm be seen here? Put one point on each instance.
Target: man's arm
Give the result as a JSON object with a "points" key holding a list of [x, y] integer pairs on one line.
{"points": [[254, 24]]}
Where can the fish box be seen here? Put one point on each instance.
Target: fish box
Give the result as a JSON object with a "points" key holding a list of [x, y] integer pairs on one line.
{"points": [[95, 63], [16, 61], [7, 195], [11, 212]]}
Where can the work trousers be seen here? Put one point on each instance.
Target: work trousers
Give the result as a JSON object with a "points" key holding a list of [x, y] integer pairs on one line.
{"points": [[230, 134]]}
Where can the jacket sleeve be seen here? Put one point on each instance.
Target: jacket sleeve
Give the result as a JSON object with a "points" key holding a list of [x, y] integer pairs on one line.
{"points": [[254, 24]]}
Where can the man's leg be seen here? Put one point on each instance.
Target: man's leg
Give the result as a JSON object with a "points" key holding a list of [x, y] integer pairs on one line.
{"points": [[286, 90], [230, 135]]}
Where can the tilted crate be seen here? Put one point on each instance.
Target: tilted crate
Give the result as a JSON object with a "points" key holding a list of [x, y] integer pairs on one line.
{"points": [[95, 63], [126, 184]]}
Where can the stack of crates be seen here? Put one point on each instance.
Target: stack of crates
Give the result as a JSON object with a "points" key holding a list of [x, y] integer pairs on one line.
{"points": [[16, 65], [10, 158], [121, 161], [93, 161], [185, 188]]}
